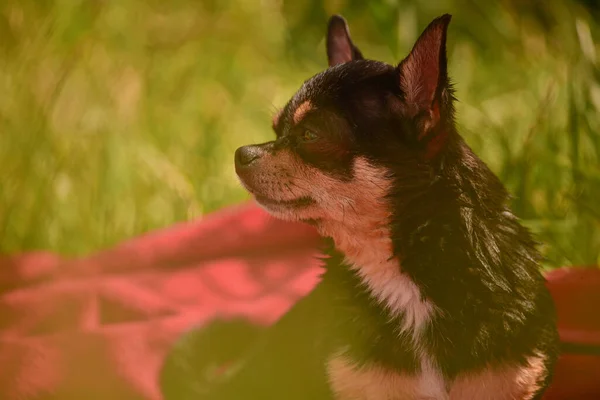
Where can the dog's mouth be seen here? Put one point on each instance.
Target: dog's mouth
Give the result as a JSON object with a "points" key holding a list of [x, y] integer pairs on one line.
{"points": [[299, 202]]}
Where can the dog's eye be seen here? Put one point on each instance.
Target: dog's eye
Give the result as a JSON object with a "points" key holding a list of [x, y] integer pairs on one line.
{"points": [[308, 136]]}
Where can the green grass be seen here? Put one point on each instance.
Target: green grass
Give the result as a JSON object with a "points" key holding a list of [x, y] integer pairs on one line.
{"points": [[118, 117]]}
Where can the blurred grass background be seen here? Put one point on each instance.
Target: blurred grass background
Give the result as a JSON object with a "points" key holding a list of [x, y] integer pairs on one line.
{"points": [[118, 117]]}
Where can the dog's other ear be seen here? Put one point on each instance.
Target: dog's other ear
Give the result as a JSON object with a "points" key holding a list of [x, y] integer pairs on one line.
{"points": [[340, 48], [423, 74]]}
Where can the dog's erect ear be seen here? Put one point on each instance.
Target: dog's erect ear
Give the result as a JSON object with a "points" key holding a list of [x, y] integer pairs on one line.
{"points": [[340, 48], [423, 74]]}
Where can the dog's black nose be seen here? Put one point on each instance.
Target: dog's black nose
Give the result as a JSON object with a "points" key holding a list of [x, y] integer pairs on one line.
{"points": [[245, 155]]}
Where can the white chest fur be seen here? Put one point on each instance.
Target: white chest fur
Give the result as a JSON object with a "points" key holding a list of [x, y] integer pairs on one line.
{"points": [[370, 257], [399, 295], [396, 292]]}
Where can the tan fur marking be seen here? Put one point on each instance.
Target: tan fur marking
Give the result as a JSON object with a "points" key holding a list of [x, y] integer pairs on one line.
{"points": [[508, 383], [301, 111], [373, 382]]}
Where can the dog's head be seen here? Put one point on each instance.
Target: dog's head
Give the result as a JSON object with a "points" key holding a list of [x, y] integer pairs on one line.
{"points": [[354, 133]]}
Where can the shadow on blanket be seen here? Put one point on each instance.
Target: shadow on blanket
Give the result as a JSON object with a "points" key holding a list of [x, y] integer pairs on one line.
{"points": [[101, 327]]}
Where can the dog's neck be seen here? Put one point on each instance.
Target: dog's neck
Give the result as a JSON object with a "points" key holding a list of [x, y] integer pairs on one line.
{"points": [[368, 251], [365, 245]]}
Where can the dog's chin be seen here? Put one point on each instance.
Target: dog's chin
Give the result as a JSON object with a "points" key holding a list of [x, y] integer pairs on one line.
{"points": [[291, 210]]}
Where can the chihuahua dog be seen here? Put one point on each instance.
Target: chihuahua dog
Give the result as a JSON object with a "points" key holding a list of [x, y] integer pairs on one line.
{"points": [[431, 287]]}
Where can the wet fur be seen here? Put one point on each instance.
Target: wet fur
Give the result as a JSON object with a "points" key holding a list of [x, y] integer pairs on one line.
{"points": [[431, 287]]}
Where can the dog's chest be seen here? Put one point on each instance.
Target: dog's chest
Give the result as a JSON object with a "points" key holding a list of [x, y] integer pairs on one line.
{"points": [[380, 317], [367, 276]]}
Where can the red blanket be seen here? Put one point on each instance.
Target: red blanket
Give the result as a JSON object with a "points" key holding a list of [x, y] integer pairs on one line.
{"points": [[100, 326]]}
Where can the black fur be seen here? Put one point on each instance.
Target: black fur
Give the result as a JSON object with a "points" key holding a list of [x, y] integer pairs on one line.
{"points": [[487, 283]]}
